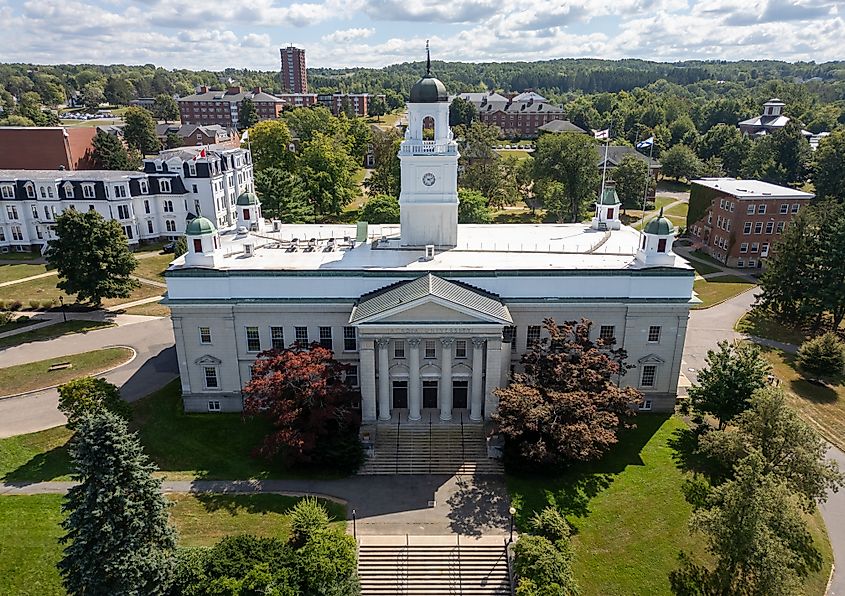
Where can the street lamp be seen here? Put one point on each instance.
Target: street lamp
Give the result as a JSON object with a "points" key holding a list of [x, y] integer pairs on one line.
{"points": [[64, 313], [512, 511]]}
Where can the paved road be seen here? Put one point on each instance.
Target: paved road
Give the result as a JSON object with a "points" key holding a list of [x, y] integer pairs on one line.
{"points": [[154, 366]]}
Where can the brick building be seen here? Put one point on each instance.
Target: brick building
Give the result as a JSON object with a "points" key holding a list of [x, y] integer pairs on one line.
{"points": [[519, 115], [294, 79], [739, 222], [211, 106], [46, 148], [339, 103], [298, 100], [195, 134]]}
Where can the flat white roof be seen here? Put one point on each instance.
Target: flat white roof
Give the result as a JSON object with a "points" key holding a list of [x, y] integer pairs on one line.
{"points": [[480, 248], [748, 189]]}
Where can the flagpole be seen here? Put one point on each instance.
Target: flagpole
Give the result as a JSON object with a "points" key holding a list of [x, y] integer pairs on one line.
{"points": [[647, 180], [604, 170]]}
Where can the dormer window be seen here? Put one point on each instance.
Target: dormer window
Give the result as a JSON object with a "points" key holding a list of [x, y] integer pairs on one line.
{"points": [[164, 185], [88, 191], [7, 191], [145, 187], [192, 168], [68, 190], [30, 190]]}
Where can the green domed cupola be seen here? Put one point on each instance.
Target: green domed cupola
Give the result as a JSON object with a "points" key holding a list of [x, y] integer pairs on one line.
{"points": [[659, 226], [200, 226], [428, 89], [246, 199]]}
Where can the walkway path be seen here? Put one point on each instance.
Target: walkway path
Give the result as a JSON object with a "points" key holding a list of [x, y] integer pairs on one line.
{"points": [[154, 366], [386, 505], [30, 278]]}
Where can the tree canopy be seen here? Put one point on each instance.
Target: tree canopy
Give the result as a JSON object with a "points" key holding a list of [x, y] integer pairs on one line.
{"points": [[566, 173], [380, 209], [140, 131]]}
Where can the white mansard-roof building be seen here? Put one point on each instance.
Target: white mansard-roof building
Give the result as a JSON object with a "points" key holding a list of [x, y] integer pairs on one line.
{"points": [[431, 315]]}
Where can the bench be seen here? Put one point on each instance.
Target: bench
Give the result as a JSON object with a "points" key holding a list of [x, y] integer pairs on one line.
{"points": [[60, 366]]}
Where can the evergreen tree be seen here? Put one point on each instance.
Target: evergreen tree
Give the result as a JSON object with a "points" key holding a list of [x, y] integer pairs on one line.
{"points": [[110, 153], [823, 355], [283, 195], [140, 131], [91, 256], [172, 140], [247, 115], [118, 540], [181, 247]]}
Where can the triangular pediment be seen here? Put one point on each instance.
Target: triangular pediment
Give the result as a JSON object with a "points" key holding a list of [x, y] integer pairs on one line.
{"points": [[430, 299], [208, 360]]}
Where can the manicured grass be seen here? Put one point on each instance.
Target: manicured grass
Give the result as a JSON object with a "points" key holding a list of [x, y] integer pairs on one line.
{"points": [[153, 267], [30, 531], [19, 256], [36, 375], [19, 271], [662, 202], [760, 323], [822, 405], [45, 290], [718, 289], [627, 509], [16, 324], [53, 331], [678, 210], [521, 215], [150, 309], [35, 457], [202, 520], [629, 514], [517, 153], [703, 256]]}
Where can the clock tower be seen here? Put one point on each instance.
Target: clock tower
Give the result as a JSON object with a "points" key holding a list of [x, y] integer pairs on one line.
{"points": [[429, 155]]}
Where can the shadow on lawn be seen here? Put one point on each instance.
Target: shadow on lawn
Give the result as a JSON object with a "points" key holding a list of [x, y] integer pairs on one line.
{"points": [[572, 490], [688, 458], [43, 467]]}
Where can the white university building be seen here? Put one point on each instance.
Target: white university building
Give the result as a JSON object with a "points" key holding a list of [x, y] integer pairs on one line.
{"points": [[431, 316]]}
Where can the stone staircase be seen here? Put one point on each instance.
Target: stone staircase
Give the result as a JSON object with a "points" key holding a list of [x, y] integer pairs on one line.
{"points": [[433, 565], [436, 449]]}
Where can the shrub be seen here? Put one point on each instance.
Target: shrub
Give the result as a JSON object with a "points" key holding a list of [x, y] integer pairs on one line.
{"points": [[14, 305], [542, 568], [823, 355], [327, 564], [307, 517], [550, 524], [235, 556], [189, 573], [5, 317], [88, 395], [34, 304]]}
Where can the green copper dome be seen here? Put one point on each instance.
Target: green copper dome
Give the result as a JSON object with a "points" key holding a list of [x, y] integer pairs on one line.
{"points": [[200, 226], [429, 90], [659, 226], [246, 199], [609, 197]]}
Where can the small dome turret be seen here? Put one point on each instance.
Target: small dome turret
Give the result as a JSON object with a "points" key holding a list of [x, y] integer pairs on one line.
{"points": [[659, 226], [428, 89], [200, 226], [246, 199]]}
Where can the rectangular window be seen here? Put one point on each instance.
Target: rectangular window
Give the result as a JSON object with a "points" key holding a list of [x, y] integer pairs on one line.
{"points": [[761, 210], [532, 336], [253, 340], [205, 335], [164, 185], [755, 247], [743, 247], [210, 377], [645, 405], [770, 227], [352, 375], [750, 209], [430, 349], [752, 263], [145, 188], [780, 226], [326, 337], [758, 227], [649, 373], [214, 405], [461, 348], [120, 192], [795, 207], [277, 338], [399, 349], [784, 208], [654, 333], [8, 192], [123, 211], [607, 332], [509, 336], [88, 191], [350, 339], [301, 335], [146, 206], [740, 263], [746, 228]]}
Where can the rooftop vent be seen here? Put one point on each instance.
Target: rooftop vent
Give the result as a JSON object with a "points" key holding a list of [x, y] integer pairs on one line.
{"points": [[277, 225], [429, 252], [249, 249]]}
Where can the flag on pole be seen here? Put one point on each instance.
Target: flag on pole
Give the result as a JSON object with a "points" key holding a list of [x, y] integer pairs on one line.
{"points": [[245, 136], [646, 144], [602, 134]]}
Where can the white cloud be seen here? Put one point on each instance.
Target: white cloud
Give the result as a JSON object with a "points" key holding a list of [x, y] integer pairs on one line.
{"points": [[347, 35]]}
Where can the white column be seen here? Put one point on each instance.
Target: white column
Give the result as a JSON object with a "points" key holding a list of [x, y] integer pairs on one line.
{"points": [[383, 380], [446, 379], [367, 381], [494, 375], [477, 396], [414, 389]]}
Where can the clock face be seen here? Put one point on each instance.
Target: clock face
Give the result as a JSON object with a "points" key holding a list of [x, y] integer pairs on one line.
{"points": [[428, 179]]}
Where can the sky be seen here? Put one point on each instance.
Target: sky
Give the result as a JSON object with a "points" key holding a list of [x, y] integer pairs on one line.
{"points": [[216, 34]]}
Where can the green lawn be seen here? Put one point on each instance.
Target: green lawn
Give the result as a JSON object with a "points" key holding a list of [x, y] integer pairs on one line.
{"points": [[30, 530], [153, 267], [18, 323], [678, 210], [517, 153], [151, 309], [703, 268], [629, 513], [44, 291], [19, 271], [19, 256], [36, 375], [53, 331], [718, 289], [760, 323], [662, 202]]}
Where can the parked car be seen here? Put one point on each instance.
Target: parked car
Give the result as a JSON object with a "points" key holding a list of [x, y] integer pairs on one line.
{"points": [[169, 248]]}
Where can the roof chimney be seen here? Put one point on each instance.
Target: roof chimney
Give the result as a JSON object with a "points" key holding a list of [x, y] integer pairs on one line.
{"points": [[233, 90], [256, 90], [203, 89]]}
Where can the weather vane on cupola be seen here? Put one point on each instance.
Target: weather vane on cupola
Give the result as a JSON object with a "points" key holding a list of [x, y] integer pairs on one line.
{"points": [[427, 59]]}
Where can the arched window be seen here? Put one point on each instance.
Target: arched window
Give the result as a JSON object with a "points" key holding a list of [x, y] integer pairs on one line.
{"points": [[428, 128]]}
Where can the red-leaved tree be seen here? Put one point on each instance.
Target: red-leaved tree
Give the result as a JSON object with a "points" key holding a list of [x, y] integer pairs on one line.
{"points": [[301, 391], [567, 405]]}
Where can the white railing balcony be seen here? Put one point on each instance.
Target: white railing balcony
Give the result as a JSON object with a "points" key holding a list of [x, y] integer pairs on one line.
{"points": [[428, 148]]}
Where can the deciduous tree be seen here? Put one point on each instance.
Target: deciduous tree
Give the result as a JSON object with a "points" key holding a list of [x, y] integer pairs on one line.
{"points": [[680, 162], [472, 208], [566, 406], [165, 107], [782, 157], [386, 176], [462, 111], [327, 170], [301, 391], [572, 161], [283, 195], [91, 256], [118, 540], [380, 209], [726, 384], [88, 396], [140, 131], [829, 177], [270, 144], [823, 355], [631, 177], [377, 107]]}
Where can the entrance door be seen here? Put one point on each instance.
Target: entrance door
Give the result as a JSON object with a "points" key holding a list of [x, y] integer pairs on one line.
{"points": [[400, 394], [429, 394], [460, 392]]}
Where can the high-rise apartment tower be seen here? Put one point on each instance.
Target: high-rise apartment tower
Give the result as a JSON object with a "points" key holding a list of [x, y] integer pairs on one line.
{"points": [[293, 70]]}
